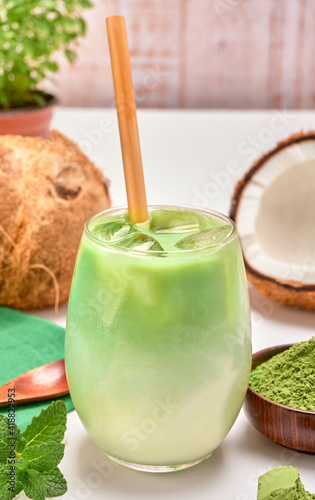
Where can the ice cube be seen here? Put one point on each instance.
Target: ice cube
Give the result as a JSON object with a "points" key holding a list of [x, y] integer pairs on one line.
{"points": [[175, 221], [206, 238], [141, 242], [113, 231]]}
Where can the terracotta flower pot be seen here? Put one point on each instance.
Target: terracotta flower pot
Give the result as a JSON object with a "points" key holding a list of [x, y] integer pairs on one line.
{"points": [[31, 121]]}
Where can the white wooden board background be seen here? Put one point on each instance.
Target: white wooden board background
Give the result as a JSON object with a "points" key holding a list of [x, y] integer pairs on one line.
{"points": [[200, 54]]}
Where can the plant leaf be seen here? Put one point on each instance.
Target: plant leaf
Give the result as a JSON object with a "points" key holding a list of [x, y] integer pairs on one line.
{"points": [[40, 450], [49, 425], [34, 486], [35, 98], [44, 456], [52, 66], [4, 453], [15, 488], [86, 4], [21, 465], [31, 32], [10, 439], [55, 483], [83, 26], [70, 55]]}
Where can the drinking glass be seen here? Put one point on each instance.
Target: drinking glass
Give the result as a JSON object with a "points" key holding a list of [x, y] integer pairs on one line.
{"points": [[158, 346]]}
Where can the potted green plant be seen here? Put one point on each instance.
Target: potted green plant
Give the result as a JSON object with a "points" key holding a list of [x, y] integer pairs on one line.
{"points": [[31, 33]]}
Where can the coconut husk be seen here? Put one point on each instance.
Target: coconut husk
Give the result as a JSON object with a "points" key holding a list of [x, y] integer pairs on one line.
{"points": [[289, 293], [48, 189]]}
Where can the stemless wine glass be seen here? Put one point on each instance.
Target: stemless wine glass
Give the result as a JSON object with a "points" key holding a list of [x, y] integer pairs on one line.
{"points": [[158, 341]]}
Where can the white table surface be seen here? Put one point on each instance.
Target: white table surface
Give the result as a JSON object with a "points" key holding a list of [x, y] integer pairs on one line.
{"points": [[186, 156]]}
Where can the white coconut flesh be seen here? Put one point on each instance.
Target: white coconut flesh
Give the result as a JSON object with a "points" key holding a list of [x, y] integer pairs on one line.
{"points": [[276, 215]]}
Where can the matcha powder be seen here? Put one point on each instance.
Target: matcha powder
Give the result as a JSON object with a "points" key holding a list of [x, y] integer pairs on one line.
{"points": [[288, 378]]}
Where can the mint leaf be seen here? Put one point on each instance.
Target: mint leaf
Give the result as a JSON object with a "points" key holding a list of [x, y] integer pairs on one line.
{"points": [[4, 453], [55, 483], [20, 442], [10, 439], [34, 486], [4, 429], [44, 456], [49, 425], [10, 486], [21, 464], [29, 461]]}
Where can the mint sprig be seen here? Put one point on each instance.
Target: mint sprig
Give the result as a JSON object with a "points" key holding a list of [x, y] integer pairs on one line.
{"points": [[28, 460]]}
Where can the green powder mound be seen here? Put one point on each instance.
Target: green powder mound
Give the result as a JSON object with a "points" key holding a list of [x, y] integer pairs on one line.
{"points": [[282, 483], [288, 378]]}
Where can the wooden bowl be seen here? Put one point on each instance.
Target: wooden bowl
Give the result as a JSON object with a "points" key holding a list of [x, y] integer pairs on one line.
{"points": [[294, 429]]}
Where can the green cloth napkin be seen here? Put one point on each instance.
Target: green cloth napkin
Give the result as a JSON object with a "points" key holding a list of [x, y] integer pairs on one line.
{"points": [[25, 343]]}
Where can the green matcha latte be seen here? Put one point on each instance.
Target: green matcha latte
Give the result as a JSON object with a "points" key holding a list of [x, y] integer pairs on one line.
{"points": [[158, 348]]}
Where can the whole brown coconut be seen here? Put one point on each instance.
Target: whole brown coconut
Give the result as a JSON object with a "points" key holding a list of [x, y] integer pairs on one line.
{"points": [[48, 189]]}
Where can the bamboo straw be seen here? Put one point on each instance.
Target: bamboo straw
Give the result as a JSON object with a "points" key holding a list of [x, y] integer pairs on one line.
{"points": [[127, 119]]}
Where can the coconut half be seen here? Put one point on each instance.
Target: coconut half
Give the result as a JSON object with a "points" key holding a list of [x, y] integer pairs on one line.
{"points": [[274, 209]]}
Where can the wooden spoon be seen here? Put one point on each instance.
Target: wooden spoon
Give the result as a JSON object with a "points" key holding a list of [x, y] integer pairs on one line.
{"points": [[45, 382]]}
